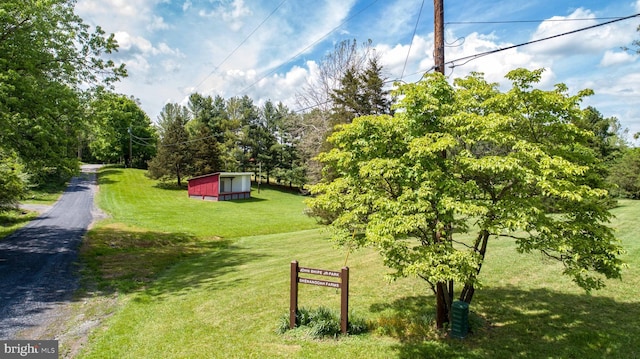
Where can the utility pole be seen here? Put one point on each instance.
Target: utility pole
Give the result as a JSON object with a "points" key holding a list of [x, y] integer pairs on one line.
{"points": [[442, 294], [438, 35], [130, 150]]}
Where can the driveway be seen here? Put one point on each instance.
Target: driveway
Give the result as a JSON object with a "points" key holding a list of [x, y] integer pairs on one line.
{"points": [[38, 269]]}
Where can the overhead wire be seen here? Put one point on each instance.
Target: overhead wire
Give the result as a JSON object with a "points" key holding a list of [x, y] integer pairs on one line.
{"points": [[470, 58], [308, 47], [527, 21], [476, 56], [241, 43], [415, 29]]}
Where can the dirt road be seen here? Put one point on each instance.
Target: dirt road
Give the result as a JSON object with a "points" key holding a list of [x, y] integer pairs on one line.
{"points": [[38, 262]]}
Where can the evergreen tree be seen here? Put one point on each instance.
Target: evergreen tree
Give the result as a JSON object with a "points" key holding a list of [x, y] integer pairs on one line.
{"points": [[173, 157], [204, 150]]}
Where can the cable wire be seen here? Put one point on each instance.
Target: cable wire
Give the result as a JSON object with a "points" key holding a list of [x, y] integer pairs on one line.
{"points": [[470, 58], [240, 44], [415, 29], [308, 47]]}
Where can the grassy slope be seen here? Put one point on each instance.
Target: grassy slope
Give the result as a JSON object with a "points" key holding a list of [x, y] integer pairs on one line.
{"points": [[226, 299], [133, 199]]}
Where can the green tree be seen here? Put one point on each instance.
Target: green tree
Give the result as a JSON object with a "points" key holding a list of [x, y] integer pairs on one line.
{"points": [[47, 54], [173, 157], [118, 126], [13, 181], [204, 150], [458, 165], [360, 93], [338, 71], [625, 174]]}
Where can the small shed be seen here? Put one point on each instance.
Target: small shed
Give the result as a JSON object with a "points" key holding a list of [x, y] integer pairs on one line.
{"points": [[221, 186]]}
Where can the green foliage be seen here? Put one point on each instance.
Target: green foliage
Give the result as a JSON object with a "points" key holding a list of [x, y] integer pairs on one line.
{"points": [[173, 156], [118, 122], [469, 158], [47, 54], [625, 174], [361, 92], [322, 322], [13, 180]]}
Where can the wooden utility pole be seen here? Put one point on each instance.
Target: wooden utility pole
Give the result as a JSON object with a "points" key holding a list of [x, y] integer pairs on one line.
{"points": [[438, 35], [438, 57], [130, 149]]}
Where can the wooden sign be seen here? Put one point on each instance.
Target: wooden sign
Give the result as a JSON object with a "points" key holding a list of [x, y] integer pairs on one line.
{"points": [[343, 285]]}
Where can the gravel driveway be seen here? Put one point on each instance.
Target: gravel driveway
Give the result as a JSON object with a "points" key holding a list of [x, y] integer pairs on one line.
{"points": [[38, 262]]}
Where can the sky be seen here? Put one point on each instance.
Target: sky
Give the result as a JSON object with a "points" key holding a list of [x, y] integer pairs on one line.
{"points": [[269, 49]]}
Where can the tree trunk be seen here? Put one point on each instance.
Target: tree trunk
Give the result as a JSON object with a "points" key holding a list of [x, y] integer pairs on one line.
{"points": [[481, 247], [443, 304]]}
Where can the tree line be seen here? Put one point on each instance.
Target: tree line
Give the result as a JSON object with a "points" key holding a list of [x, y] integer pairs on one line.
{"points": [[211, 134]]}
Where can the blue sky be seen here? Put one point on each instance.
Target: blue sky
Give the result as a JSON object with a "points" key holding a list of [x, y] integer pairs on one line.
{"points": [[269, 49]]}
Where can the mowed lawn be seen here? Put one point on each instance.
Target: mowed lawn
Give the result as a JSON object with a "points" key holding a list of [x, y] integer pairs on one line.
{"points": [[132, 199], [193, 285]]}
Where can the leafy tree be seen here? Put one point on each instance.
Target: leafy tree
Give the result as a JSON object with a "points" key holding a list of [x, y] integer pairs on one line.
{"points": [[13, 181], [625, 173], [173, 157], [458, 165], [47, 54], [118, 122]]}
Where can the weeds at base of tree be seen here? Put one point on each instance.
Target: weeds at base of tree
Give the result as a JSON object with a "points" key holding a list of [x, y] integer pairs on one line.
{"points": [[420, 328], [322, 322]]}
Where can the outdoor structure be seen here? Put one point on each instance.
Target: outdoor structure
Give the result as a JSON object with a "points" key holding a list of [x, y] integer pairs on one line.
{"points": [[221, 186]]}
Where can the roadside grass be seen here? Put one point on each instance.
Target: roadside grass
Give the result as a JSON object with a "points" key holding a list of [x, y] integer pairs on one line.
{"points": [[46, 194], [205, 291], [11, 220]]}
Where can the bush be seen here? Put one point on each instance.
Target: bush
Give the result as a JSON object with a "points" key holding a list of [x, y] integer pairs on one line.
{"points": [[322, 322], [13, 180]]}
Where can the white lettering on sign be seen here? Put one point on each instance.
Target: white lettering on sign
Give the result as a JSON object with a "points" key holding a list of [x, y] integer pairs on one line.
{"points": [[322, 283], [326, 273]]}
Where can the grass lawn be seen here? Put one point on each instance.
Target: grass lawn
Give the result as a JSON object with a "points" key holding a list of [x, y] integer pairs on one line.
{"points": [[11, 220], [195, 282]]}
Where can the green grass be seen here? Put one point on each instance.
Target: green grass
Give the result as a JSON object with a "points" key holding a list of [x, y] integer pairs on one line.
{"points": [[12, 220], [133, 199], [215, 292], [46, 194]]}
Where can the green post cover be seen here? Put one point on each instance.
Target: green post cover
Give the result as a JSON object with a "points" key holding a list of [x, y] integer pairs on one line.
{"points": [[459, 319]]}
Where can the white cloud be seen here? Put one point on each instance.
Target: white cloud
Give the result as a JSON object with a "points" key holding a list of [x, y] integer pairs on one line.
{"points": [[612, 58], [187, 5], [129, 43], [157, 23], [233, 14], [589, 41]]}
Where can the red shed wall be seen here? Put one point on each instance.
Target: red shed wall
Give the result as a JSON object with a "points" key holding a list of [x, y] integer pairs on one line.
{"points": [[205, 186]]}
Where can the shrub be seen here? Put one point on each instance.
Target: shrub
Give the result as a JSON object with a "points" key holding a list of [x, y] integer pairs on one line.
{"points": [[322, 322]]}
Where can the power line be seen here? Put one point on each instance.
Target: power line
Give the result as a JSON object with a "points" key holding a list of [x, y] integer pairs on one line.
{"points": [[308, 47], [240, 44], [415, 29], [473, 57], [527, 21], [482, 54]]}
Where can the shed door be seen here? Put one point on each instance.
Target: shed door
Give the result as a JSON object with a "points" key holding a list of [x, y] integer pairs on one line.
{"points": [[225, 185]]}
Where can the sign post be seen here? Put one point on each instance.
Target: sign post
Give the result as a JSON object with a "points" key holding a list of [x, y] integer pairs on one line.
{"points": [[343, 285]]}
